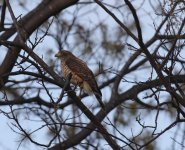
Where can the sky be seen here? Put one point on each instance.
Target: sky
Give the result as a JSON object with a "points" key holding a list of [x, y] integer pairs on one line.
{"points": [[7, 136]]}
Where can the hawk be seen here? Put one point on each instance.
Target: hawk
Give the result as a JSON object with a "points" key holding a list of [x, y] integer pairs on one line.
{"points": [[82, 76]]}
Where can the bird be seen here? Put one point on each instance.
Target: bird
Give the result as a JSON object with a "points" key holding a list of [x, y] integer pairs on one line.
{"points": [[81, 74]]}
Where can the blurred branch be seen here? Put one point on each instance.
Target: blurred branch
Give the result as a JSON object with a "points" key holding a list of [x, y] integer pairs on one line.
{"points": [[170, 37], [173, 46], [117, 20], [150, 58], [162, 132], [3, 12], [21, 101]]}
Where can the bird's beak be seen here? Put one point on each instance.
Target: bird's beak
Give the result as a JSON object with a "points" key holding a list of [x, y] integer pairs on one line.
{"points": [[57, 55]]}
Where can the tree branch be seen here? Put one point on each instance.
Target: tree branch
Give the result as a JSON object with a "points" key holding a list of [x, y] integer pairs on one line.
{"points": [[151, 59], [29, 23], [71, 94], [114, 102]]}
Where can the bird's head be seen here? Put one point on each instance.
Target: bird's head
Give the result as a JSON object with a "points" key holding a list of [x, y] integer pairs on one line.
{"points": [[63, 54]]}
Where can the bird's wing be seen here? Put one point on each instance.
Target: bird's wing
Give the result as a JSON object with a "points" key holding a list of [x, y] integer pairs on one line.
{"points": [[79, 68]]}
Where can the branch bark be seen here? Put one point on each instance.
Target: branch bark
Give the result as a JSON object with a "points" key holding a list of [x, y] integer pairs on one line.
{"points": [[29, 23]]}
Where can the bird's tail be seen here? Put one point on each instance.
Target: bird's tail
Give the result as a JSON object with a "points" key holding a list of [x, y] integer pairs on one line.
{"points": [[96, 92], [99, 98]]}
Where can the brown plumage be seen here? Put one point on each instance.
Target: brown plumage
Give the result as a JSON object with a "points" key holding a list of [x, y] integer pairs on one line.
{"points": [[81, 74]]}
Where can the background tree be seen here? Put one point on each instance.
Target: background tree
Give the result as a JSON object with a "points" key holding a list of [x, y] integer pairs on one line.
{"points": [[135, 49]]}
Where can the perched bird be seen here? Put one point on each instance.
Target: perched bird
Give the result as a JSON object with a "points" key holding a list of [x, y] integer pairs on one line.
{"points": [[82, 76]]}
